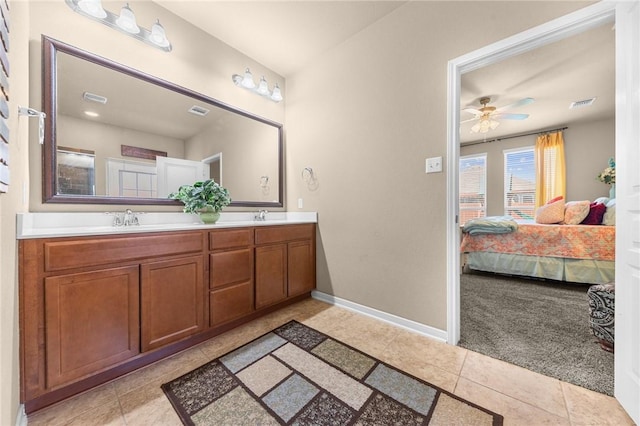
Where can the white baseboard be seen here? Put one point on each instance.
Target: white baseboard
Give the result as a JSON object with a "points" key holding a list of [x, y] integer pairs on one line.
{"points": [[21, 418], [414, 326]]}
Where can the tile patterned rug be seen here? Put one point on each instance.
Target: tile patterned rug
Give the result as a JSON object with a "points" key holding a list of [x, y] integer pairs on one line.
{"points": [[295, 375]]}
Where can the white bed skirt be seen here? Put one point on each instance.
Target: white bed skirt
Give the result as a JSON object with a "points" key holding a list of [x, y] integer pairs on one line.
{"points": [[553, 268]]}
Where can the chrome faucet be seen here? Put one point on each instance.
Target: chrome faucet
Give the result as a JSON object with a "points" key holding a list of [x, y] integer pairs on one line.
{"points": [[126, 218], [130, 218], [261, 215]]}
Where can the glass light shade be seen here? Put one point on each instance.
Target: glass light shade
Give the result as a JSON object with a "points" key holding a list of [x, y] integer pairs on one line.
{"points": [[484, 125], [158, 36], [247, 80], [93, 8], [127, 20], [263, 87], [276, 95]]}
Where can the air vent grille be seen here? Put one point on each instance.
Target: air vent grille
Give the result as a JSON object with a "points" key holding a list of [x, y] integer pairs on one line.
{"points": [[198, 110], [92, 97], [582, 103]]}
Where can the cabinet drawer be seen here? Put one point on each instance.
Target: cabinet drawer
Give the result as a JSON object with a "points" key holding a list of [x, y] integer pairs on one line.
{"points": [[228, 267], [59, 255], [275, 234], [230, 303], [230, 238]]}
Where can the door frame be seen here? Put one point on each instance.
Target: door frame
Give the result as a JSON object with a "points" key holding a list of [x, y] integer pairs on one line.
{"points": [[558, 29], [574, 23]]}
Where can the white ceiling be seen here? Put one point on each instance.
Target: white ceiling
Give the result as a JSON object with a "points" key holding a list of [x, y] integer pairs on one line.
{"points": [[574, 69], [292, 33], [282, 35]]}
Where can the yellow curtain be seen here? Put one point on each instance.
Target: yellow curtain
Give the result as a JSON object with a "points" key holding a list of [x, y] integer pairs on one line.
{"points": [[550, 167]]}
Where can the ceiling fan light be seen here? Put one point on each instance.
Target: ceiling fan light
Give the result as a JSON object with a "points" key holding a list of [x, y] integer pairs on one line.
{"points": [[127, 20], [93, 8]]}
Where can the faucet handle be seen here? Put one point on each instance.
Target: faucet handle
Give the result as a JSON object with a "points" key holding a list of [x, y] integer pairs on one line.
{"points": [[118, 218]]}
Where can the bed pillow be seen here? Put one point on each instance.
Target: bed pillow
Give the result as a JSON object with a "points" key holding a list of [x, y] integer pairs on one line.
{"points": [[601, 200], [551, 213], [609, 217], [596, 213], [553, 200], [576, 211]]}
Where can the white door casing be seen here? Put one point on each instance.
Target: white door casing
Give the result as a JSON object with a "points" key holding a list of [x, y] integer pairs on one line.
{"points": [[627, 308], [627, 19]]}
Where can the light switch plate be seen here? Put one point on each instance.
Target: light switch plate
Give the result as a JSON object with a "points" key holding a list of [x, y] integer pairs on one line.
{"points": [[434, 165]]}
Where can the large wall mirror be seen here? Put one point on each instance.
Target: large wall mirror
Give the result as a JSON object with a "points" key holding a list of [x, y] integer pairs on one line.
{"points": [[115, 135]]}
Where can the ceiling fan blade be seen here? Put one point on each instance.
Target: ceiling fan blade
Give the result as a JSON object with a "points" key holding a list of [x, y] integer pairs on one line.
{"points": [[521, 102], [511, 116], [469, 120], [472, 110]]}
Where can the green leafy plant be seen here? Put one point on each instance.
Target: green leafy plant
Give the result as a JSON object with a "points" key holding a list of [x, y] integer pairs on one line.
{"points": [[202, 196], [608, 175]]}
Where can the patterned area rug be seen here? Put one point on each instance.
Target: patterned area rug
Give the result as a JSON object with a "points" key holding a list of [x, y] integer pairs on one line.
{"points": [[296, 375]]}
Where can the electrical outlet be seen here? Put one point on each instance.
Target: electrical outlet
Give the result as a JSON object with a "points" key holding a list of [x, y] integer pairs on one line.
{"points": [[300, 203], [434, 165]]}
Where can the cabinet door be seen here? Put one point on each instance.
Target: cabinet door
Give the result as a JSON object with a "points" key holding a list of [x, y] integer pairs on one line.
{"points": [[92, 322], [271, 274], [301, 270], [172, 300]]}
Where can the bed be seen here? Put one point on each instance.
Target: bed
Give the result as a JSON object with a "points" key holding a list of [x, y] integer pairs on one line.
{"points": [[572, 253]]}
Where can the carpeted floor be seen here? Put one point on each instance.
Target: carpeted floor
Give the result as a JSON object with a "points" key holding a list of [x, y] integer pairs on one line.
{"points": [[540, 325], [296, 375]]}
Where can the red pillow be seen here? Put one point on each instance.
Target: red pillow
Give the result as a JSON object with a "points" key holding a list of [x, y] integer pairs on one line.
{"points": [[558, 198], [596, 213]]}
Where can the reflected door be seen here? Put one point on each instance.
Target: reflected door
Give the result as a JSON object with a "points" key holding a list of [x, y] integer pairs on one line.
{"points": [[174, 172]]}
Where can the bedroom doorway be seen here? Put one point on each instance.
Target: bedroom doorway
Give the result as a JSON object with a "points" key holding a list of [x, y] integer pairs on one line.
{"points": [[627, 18]]}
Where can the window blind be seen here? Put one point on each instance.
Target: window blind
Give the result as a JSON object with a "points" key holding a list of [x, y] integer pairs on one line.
{"points": [[519, 183], [473, 187]]}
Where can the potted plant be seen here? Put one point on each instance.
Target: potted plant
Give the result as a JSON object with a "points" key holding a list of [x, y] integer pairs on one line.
{"points": [[207, 199]]}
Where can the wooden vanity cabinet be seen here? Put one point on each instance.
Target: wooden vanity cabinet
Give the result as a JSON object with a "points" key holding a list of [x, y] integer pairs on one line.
{"points": [[95, 308], [285, 262], [231, 289], [90, 306]]}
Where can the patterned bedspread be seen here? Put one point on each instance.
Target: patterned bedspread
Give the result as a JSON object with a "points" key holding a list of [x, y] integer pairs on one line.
{"points": [[571, 241]]}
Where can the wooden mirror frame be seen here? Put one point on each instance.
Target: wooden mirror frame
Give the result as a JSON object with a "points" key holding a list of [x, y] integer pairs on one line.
{"points": [[50, 48]]}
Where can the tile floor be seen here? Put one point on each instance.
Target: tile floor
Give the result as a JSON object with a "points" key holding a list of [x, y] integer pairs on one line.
{"points": [[521, 396]]}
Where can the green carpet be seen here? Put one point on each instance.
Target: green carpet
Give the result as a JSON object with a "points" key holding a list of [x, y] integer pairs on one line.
{"points": [[539, 325], [296, 375]]}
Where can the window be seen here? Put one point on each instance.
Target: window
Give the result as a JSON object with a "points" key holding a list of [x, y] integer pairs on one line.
{"points": [[473, 187], [519, 183]]}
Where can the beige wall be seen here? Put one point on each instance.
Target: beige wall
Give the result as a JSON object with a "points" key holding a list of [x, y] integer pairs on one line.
{"points": [[364, 116], [249, 150], [198, 61], [588, 147], [10, 204], [103, 142]]}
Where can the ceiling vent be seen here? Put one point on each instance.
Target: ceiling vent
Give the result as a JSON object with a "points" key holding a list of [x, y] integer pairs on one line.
{"points": [[92, 97], [198, 110], [583, 103]]}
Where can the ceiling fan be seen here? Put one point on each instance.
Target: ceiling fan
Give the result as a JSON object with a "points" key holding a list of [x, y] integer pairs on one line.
{"points": [[487, 115]]}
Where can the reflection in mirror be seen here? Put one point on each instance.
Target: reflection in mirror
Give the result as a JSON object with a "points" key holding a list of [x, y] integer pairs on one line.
{"points": [[119, 136]]}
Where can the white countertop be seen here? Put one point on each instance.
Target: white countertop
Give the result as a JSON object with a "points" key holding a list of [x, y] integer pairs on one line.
{"points": [[57, 224]]}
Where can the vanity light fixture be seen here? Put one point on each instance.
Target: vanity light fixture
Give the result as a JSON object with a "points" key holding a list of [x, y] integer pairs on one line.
{"points": [[262, 88], [125, 22]]}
